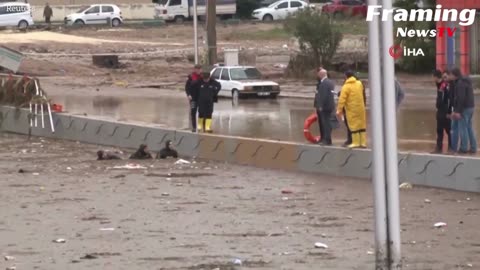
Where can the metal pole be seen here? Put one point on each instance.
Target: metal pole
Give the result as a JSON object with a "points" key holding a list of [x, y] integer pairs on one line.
{"points": [[391, 151], [376, 116], [195, 30], [212, 32]]}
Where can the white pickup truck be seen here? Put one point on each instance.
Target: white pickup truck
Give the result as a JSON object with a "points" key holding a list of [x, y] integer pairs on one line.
{"points": [[182, 10]]}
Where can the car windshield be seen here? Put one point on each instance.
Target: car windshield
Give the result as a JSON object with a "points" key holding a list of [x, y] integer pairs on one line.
{"points": [[273, 4], [162, 2], [245, 74], [83, 9]]}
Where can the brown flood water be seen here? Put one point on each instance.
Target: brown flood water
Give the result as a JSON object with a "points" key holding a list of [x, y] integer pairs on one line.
{"points": [[280, 119]]}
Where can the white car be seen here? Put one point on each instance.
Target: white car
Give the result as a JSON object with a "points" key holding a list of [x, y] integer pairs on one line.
{"points": [[279, 10], [16, 14], [96, 14], [238, 81]]}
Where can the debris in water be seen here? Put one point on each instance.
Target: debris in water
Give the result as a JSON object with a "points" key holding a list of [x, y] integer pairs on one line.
{"points": [[9, 258], [406, 186], [165, 194], [284, 198], [182, 161], [282, 66], [321, 245], [107, 229], [169, 179], [89, 257], [286, 191], [427, 201], [69, 168], [237, 262], [130, 166], [36, 173], [21, 171], [370, 252], [11, 268], [60, 240], [440, 225]]}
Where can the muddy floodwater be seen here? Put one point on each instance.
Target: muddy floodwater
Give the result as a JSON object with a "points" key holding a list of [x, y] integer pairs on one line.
{"points": [[62, 210], [280, 119]]}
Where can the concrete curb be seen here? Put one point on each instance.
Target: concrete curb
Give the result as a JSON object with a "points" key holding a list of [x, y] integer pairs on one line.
{"points": [[457, 173]]}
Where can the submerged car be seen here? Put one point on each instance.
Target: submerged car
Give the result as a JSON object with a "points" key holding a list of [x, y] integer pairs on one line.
{"points": [[279, 10], [96, 14], [240, 81]]}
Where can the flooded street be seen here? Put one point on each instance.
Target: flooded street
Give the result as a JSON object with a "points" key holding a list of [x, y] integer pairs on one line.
{"points": [[280, 119]]}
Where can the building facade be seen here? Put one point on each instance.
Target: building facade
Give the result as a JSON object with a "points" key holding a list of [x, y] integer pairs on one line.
{"points": [[462, 50]]}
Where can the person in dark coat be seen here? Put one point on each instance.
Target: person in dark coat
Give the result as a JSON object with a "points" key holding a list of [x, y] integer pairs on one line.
{"points": [[442, 105], [47, 14], [167, 151], [207, 89], [192, 95], [141, 153], [463, 109], [325, 104], [102, 155]]}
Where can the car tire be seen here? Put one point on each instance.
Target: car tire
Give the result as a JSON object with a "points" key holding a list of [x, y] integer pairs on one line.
{"points": [[235, 96], [22, 24], [338, 15], [79, 22], [116, 22], [274, 96], [179, 19], [267, 18]]}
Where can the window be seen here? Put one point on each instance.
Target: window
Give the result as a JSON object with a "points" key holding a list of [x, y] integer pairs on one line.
{"points": [[283, 5], [216, 73], [245, 74], [107, 9], [351, 3], [225, 76], [295, 4], [3, 10], [93, 10], [175, 2]]}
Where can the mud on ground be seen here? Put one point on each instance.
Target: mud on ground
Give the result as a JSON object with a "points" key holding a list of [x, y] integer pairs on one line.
{"points": [[205, 215]]}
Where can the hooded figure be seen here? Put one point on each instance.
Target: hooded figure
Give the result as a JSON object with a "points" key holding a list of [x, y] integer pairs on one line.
{"points": [[352, 100], [102, 155], [207, 89], [168, 151], [141, 153]]}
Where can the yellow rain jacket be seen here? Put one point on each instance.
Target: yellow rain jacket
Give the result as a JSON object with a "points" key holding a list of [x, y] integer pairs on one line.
{"points": [[351, 98]]}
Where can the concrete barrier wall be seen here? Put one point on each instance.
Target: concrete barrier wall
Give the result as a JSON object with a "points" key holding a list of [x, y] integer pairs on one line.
{"points": [[129, 12], [457, 173]]}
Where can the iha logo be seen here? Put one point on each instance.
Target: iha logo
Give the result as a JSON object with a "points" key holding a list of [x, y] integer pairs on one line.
{"points": [[397, 51]]}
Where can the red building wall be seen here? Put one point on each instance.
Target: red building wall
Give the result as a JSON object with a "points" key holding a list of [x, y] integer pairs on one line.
{"points": [[464, 47]]}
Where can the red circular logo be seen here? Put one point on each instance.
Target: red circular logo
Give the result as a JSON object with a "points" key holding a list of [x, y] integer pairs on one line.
{"points": [[396, 51]]}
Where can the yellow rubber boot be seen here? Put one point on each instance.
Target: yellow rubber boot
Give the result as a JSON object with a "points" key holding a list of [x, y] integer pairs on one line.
{"points": [[201, 124], [355, 140], [363, 139], [208, 125]]}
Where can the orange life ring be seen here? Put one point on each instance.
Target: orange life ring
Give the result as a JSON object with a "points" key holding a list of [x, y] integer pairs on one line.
{"points": [[306, 129]]}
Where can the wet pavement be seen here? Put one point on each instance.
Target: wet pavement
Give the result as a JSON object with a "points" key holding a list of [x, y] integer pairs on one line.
{"points": [[280, 119]]}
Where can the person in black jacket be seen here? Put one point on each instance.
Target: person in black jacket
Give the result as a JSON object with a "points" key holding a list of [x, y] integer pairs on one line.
{"points": [[192, 95], [207, 89], [463, 109], [167, 151], [141, 153], [324, 104], [104, 155], [443, 105]]}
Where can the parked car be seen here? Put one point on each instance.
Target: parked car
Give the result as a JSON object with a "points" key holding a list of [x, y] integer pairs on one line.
{"points": [[96, 14], [16, 14], [347, 8], [182, 10], [279, 10], [239, 81]]}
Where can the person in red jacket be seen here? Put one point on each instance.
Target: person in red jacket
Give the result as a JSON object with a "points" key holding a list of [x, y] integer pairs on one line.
{"points": [[192, 95]]}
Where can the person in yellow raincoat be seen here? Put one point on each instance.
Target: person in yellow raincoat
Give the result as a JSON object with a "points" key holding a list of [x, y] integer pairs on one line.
{"points": [[352, 100]]}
